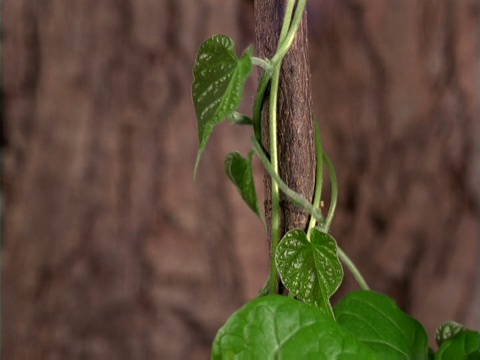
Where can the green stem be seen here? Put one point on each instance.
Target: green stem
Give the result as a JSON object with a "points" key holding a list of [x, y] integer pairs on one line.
{"points": [[284, 43], [293, 196], [284, 46], [287, 19], [287, 34], [353, 269], [318, 178], [267, 75], [274, 159], [333, 201], [264, 64]]}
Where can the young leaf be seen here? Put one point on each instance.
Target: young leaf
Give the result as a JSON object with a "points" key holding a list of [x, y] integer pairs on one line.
{"points": [[464, 345], [310, 269], [447, 331], [219, 80], [278, 327], [377, 321], [239, 170]]}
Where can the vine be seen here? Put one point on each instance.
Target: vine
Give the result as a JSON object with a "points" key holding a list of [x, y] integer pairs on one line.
{"points": [[364, 324]]}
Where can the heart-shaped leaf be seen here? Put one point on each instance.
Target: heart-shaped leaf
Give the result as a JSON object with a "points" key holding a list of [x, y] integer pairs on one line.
{"points": [[219, 81], [463, 345], [239, 170], [310, 269], [277, 327], [377, 321]]}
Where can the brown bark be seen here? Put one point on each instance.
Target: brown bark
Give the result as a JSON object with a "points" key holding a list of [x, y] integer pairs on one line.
{"points": [[110, 251], [296, 150]]}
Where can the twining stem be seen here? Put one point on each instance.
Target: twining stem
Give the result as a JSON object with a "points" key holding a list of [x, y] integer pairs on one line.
{"points": [[293, 196], [274, 160], [318, 178], [286, 23], [353, 269], [272, 75], [283, 47], [287, 35]]}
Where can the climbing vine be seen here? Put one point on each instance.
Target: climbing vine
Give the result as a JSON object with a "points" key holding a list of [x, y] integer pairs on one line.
{"points": [[364, 324]]}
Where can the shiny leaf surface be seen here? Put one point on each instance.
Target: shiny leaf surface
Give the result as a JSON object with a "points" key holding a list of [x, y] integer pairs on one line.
{"points": [[310, 269], [218, 85], [378, 322], [278, 327]]}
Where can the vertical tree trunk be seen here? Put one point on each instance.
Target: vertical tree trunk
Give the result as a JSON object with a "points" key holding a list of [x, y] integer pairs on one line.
{"points": [[296, 149]]}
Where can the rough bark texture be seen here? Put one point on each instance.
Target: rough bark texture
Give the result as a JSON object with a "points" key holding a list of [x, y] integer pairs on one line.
{"points": [[296, 149], [111, 252]]}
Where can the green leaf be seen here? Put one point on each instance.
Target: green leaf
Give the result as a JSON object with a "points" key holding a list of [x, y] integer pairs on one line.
{"points": [[463, 345], [447, 331], [310, 269], [239, 170], [376, 320], [278, 327], [219, 81]]}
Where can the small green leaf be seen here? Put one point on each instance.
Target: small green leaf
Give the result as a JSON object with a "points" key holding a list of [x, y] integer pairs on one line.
{"points": [[219, 81], [239, 170], [310, 269], [447, 331], [278, 327], [378, 322], [463, 345]]}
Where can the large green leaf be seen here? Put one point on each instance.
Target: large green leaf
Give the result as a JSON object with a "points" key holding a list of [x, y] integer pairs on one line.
{"points": [[219, 80], [239, 170], [376, 320], [464, 345], [310, 269], [278, 327]]}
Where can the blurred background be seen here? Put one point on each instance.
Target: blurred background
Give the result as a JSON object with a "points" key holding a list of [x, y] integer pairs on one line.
{"points": [[111, 251]]}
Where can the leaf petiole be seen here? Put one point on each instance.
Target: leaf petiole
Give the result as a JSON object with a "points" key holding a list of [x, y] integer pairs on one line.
{"points": [[318, 178], [353, 269], [265, 64], [333, 201]]}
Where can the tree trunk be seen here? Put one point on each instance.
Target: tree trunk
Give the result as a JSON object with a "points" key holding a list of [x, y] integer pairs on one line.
{"points": [[296, 147]]}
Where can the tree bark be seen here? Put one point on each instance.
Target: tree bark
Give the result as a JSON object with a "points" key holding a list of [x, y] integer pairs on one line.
{"points": [[109, 250], [296, 149]]}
